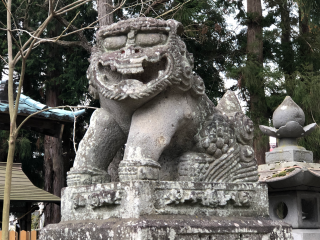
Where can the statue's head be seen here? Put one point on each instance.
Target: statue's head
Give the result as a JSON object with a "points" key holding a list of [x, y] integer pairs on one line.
{"points": [[139, 57]]}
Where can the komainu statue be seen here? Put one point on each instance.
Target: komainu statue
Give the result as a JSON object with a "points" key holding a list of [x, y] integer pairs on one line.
{"points": [[153, 103]]}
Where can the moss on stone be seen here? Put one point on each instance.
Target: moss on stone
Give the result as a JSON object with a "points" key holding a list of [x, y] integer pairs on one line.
{"points": [[283, 173]]}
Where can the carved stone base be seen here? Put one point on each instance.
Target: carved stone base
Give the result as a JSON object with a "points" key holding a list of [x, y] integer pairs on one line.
{"points": [[289, 154], [166, 210], [133, 199], [171, 228]]}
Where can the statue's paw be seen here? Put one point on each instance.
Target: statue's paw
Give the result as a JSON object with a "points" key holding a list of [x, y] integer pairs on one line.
{"points": [[102, 178], [87, 177], [145, 169], [78, 180]]}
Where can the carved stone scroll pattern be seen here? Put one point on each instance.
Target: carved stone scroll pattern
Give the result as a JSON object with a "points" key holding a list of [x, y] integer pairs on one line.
{"points": [[210, 198], [97, 199], [226, 151]]}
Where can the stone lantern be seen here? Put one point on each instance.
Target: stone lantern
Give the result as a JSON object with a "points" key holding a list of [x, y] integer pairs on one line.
{"points": [[292, 177]]}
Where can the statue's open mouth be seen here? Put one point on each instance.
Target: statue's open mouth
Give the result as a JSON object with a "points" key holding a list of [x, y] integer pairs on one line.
{"points": [[151, 71], [134, 77], [141, 70]]}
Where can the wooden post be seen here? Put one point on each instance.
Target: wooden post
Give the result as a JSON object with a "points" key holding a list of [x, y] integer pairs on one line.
{"points": [[28, 217], [33, 235], [23, 235], [12, 235]]}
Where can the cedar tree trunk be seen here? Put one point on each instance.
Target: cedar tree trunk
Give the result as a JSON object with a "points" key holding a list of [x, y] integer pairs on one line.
{"points": [[287, 60], [257, 102], [53, 160], [105, 7]]}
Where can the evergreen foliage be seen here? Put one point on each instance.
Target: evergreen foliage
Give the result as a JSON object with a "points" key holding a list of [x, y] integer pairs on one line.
{"points": [[291, 61], [72, 81]]}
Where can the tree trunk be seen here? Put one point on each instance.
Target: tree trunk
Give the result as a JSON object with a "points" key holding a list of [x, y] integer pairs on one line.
{"points": [[53, 160], [255, 84], [287, 60], [54, 176], [254, 34], [53, 165], [304, 49], [105, 7]]}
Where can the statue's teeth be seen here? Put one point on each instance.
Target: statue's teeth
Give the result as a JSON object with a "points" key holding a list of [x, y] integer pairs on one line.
{"points": [[161, 72]]}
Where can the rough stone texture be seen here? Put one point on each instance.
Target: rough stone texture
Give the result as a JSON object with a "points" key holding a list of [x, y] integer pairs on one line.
{"points": [[137, 198], [289, 154], [169, 228], [143, 210], [306, 234], [188, 169], [302, 208], [152, 102], [288, 120], [290, 176]]}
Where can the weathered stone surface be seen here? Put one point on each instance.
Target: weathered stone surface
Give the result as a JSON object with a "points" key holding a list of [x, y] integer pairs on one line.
{"points": [[306, 234], [287, 111], [137, 198], [171, 228], [289, 154], [152, 102], [188, 168], [300, 209], [290, 176]]}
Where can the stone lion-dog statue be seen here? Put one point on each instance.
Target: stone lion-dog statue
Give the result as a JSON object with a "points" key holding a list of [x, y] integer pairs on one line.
{"points": [[155, 105]]}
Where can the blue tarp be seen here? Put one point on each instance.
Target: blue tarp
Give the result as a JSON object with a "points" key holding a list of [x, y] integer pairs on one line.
{"points": [[29, 106]]}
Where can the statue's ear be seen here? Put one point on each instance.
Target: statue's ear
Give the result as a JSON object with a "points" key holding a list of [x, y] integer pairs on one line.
{"points": [[93, 92], [176, 27]]}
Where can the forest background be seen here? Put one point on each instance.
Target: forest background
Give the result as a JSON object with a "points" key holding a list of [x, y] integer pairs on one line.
{"points": [[272, 51]]}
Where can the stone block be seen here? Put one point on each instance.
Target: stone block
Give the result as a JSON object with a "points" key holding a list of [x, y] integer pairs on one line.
{"points": [[164, 227], [298, 208], [289, 154], [142, 210], [306, 234], [138, 198]]}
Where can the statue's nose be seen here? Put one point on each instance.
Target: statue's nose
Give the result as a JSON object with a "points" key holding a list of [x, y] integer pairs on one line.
{"points": [[131, 51]]}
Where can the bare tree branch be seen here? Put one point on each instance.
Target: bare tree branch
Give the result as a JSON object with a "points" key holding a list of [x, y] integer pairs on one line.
{"points": [[176, 8], [71, 8], [70, 5], [155, 3], [68, 26], [90, 25], [69, 43], [84, 42], [3, 59]]}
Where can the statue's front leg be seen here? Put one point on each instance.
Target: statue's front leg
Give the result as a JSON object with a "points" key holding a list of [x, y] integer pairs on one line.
{"points": [[151, 131], [96, 150]]}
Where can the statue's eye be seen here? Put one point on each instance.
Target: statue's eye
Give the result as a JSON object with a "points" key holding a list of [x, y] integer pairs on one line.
{"points": [[150, 39], [115, 42]]}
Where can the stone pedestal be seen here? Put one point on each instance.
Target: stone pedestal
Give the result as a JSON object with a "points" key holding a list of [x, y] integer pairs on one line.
{"points": [[161, 227], [289, 154], [306, 234], [166, 210]]}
